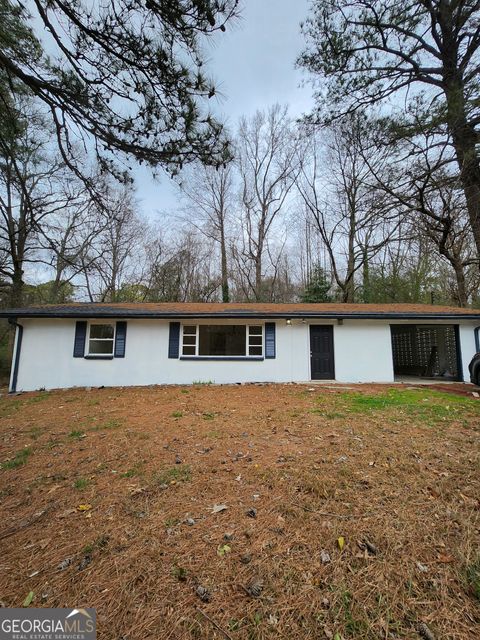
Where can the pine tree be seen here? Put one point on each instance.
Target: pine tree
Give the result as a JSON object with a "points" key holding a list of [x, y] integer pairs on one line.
{"points": [[318, 287], [126, 76]]}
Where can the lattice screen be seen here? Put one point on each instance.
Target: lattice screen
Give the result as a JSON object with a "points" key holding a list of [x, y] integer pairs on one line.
{"points": [[424, 350]]}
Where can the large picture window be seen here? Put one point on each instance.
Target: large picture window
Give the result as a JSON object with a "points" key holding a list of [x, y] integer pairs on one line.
{"points": [[229, 340], [101, 339]]}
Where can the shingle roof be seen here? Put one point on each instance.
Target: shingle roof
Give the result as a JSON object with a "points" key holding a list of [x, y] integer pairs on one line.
{"points": [[239, 310]]}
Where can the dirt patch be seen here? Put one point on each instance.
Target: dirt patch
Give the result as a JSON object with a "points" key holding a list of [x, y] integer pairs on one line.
{"points": [[271, 511]]}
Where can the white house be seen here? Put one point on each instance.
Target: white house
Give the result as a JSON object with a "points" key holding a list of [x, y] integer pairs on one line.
{"points": [[93, 344]]}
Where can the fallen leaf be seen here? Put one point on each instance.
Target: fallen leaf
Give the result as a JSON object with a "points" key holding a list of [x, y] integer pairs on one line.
{"points": [[28, 600], [135, 490], [54, 488], [203, 594], [84, 562], [223, 549], [341, 543], [422, 567], [64, 564], [254, 588], [84, 507], [325, 556], [367, 546], [445, 558], [217, 508], [425, 632]]}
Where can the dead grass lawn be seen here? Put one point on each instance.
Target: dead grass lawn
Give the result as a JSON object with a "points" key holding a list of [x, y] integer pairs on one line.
{"points": [[107, 496]]}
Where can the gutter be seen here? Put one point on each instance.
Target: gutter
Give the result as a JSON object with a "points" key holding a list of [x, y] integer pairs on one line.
{"points": [[17, 351], [247, 314]]}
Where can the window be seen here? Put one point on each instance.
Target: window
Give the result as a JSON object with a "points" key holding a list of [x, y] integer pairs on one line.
{"points": [[101, 339], [234, 340], [189, 340], [255, 340]]}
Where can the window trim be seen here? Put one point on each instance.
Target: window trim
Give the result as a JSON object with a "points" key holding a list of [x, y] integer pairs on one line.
{"points": [[248, 335], [100, 356]]}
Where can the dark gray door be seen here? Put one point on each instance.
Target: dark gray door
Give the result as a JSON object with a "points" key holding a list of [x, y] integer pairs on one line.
{"points": [[321, 352]]}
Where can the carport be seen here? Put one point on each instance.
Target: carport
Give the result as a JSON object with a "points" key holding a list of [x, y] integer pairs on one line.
{"points": [[430, 351]]}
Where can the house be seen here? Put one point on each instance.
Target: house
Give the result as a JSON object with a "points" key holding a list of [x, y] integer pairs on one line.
{"points": [[95, 344]]}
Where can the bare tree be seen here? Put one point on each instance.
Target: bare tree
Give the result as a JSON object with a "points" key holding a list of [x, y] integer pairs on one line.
{"points": [[209, 196], [268, 161], [421, 181], [112, 259], [406, 271], [32, 192], [443, 219], [352, 217], [427, 53], [182, 270], [67, 241]]}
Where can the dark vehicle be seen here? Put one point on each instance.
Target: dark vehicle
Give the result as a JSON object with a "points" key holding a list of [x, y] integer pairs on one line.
{"points": [[474, 368]]}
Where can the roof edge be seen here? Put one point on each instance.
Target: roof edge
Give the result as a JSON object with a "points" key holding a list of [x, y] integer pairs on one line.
{"points": [[358, 315]]}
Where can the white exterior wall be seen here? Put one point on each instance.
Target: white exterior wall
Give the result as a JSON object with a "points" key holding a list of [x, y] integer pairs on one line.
{"points": [[362, 351], [467, 346]]}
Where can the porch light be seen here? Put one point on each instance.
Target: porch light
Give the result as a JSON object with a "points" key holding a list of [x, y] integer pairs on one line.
{"points": [[288, 321]]}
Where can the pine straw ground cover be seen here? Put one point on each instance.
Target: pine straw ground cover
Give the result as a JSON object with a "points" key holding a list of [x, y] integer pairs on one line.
{"points": [[107, 500]]}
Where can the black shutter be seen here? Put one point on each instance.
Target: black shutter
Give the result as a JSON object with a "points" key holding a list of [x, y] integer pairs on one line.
{"points": [[270, 340], [120, 339], [174, 340], [80, 336]]}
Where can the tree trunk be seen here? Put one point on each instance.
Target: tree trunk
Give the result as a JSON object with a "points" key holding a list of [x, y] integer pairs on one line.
{"points": [[258, 278], [366, 276], [349, 290], [462, 297], [470, 178], [259, 293], [224, 265], [17, 289], [464, 140]]}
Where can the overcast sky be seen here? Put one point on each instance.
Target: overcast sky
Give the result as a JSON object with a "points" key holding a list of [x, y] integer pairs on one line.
{"points": [[253, 66]]}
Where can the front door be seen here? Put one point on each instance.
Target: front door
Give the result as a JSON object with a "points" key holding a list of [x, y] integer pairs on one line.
{"points": [[321, 352]]}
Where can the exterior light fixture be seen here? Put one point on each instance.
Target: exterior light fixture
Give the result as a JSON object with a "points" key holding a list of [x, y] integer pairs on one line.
{"points": [[288, 321]]}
